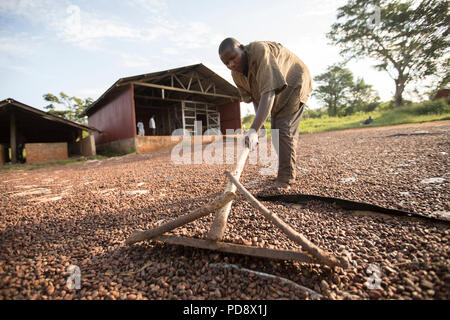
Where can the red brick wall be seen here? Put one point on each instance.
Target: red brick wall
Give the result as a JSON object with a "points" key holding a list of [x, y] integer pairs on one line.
{"points": [[46, 152]]}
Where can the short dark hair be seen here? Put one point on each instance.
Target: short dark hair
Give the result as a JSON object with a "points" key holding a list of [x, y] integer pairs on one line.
{"points": [[228, 43]]}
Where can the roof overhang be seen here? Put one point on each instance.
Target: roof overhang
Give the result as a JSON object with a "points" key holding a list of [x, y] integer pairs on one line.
{"points": [[48, 116], [194, 80]]}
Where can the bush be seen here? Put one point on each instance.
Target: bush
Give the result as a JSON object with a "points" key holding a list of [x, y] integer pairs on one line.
{"points": [[346, 111], [370, 107], [313, 114], [388, 105], [439, 106]]}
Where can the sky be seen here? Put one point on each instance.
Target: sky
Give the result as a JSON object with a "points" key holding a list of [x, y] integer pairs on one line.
{"points": [[83, 47]]}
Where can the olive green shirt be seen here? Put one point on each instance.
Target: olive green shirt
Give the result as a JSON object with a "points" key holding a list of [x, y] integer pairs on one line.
{"points": [[272, 67]]}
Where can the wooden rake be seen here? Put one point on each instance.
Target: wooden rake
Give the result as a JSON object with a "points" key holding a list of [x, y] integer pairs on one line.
{"points": [[222, 204]]}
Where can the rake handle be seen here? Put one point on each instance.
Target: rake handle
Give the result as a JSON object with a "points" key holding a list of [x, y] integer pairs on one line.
{"points": [[219, 202]]}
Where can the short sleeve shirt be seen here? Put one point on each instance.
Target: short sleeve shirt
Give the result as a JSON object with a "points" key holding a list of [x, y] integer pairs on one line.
{"points": [[151, 123], [272, 67]]}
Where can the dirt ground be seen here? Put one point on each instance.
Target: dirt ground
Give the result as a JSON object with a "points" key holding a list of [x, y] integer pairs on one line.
{"points": [[80, 214]]}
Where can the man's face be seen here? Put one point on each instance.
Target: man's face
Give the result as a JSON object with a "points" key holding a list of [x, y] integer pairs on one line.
{"points": [[234, 59]]}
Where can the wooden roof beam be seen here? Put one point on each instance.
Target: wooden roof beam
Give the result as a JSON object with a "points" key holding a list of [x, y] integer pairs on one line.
{"points": [[152, 85]]}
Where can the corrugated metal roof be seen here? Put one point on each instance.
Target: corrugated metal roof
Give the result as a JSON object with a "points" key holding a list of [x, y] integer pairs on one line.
{"points": [[11, 102], [223, 85]]}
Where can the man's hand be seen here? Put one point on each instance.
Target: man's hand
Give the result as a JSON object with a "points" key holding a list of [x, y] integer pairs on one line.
{"points": [[251, 139]]}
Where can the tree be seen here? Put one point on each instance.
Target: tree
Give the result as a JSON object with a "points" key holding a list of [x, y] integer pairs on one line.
{"points": [[363, 97], [408, 39], [334, 88], [74, 106]]}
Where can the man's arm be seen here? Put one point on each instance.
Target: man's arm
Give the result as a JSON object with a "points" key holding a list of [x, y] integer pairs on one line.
{"points": [[263, 110]]}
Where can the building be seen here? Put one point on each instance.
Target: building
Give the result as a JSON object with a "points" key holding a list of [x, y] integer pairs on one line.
{"points": [[45, 137], [180, 98], [442, 93]]}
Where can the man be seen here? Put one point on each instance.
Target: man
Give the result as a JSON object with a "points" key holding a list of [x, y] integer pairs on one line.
{"points": [[368, 121], [278, 83], [152, 125], [141, 131]]}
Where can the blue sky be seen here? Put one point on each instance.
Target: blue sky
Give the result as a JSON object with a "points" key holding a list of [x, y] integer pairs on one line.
{"points": [[83, 47]]}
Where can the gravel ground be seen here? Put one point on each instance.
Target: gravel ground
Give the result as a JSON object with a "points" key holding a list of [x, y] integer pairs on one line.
{"points": [[80, 214]]}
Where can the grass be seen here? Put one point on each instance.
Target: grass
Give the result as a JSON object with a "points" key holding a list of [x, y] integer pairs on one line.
{"points": [[380, 119], [416, 113]]}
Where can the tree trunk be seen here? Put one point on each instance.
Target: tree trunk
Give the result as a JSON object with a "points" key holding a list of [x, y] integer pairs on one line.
{"points": [[399, 88]]}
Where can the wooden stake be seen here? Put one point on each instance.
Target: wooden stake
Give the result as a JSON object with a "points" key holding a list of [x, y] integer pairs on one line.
{"points": [[220, 221], [307, 245], [219, 202], [237, 248]]}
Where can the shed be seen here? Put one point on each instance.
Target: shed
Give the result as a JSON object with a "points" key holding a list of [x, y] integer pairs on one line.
{"points": [[44, 136], [193, 99], [442, 93]]}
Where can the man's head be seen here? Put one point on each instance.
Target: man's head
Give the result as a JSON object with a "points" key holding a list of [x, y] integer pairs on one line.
{"points": [[232, 54]]}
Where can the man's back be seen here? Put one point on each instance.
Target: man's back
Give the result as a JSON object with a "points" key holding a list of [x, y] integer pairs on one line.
{"points": [[272, 66]]}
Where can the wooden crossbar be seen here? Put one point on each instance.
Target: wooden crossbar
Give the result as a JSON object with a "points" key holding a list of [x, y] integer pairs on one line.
{"points": [[237, 248]]}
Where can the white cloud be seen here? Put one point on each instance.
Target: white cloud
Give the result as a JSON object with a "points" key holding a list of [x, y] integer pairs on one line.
{"points": [[195, 35], [151, 6], [14, 45], [16, 51], [132, 60], [87, 30], [90, 29]]}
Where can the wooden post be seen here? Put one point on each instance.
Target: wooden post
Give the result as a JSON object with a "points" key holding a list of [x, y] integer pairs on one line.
{"points": [[237, 248], [13, 138], [220, 221], [308, 246]]}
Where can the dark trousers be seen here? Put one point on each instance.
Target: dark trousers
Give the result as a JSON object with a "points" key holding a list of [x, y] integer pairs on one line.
{"points": [[288, 127]]}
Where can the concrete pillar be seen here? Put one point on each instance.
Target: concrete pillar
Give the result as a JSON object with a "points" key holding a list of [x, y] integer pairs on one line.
{"points": [[13, 139]]}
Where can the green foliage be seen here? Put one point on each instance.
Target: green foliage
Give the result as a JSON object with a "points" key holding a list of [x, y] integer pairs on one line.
{"points": [[410, 40], [388, 105], [440, 106], [385, 115], [335, 85], [363, 97], [73, 106], [247, 121], [314, 114], [341, 96]]}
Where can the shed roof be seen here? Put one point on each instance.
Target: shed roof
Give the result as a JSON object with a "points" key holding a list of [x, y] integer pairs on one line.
{"points": [[223, 89], [8, 104]]}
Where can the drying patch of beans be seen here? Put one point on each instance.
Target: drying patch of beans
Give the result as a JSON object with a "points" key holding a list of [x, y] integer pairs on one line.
{"points": [[80, 214]]}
